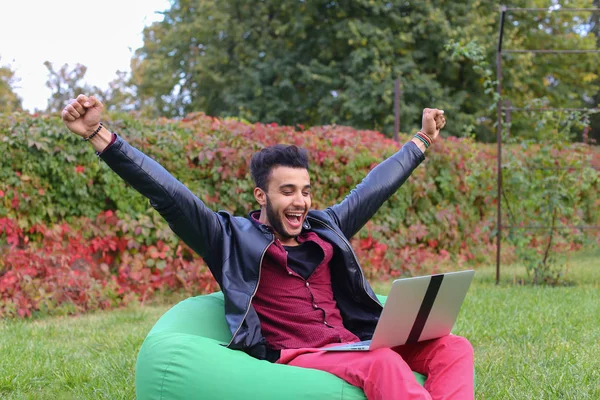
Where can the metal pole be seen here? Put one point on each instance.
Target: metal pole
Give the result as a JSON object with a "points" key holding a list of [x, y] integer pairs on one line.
{"points": [[396, 109], [499, 142], [508, 109], [584, 135]]}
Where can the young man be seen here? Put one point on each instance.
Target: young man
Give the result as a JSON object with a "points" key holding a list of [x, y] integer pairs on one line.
{"points": [[290, 279]]}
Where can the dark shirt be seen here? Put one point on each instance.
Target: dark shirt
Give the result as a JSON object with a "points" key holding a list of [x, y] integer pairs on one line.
{"points": [[304, 258]]}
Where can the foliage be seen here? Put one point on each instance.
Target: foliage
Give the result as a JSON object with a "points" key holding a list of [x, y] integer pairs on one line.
{"points": [[475, 53], [547, 177], [64, 84], [9, 101], [67, 83], [311, 63], [323, 62], [594, 28], [525, 339], [70, 269], [67, 216], [553, 184], [120, 94], [527, 77]]}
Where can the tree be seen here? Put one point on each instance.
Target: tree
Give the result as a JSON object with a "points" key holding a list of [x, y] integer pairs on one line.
{"points": [[65, 84], [9, 101], [68, 83], [552, 80], [323, 62], [311, 63], [120, 94]]}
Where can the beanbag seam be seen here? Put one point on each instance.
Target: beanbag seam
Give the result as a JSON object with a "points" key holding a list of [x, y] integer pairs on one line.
{"points": [[162, 385]]}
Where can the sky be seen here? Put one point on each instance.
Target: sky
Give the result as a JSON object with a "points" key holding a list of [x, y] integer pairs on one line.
{"points": [[102, 35]]}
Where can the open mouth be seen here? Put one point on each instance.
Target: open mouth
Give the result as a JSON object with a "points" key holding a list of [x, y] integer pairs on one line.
{"points": [[294, 219]]}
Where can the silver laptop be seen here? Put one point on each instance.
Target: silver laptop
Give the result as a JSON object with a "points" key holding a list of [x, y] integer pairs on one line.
{"points": [[417, 309]]}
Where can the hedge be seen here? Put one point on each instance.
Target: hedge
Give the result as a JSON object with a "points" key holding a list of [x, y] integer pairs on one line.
{"points": [[74, 237]]}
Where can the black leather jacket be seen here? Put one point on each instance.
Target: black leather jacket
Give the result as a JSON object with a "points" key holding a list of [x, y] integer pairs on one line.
{"points": [[233, 247]]}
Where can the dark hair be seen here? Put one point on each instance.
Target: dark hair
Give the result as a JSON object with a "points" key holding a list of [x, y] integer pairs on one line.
{"points": [[273, 156]]}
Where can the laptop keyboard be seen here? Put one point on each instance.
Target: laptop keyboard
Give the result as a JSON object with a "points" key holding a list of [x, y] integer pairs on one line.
{"points": [[364, 343]]}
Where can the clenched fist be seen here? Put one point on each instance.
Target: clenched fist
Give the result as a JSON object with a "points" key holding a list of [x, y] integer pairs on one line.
{"points": [[433, 122], [82, 115]]}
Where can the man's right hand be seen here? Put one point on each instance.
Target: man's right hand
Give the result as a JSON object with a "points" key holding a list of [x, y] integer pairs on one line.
{"points": [[82, 115], [433, 122]]}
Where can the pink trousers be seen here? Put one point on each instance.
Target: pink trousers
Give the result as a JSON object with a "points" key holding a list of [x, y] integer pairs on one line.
{"points": [[386, 374]]}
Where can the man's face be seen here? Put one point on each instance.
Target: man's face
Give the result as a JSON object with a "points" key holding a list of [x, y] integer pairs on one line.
{"points": [[286, 201]]}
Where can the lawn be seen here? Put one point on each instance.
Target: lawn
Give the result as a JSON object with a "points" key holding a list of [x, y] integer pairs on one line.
{"points": [[530, 342]]}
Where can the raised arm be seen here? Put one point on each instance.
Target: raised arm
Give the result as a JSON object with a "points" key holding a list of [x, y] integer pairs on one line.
{"points": [[197, 225], [386, 178]]}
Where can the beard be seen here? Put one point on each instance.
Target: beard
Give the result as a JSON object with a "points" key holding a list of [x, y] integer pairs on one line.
{"points": [[276, 222]]}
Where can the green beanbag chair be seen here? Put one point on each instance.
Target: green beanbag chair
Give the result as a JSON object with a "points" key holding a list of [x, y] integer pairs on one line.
{"points": [[182, 358]]}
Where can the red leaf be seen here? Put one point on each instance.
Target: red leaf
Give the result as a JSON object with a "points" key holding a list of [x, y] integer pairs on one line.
{"points": [[15, 202]]}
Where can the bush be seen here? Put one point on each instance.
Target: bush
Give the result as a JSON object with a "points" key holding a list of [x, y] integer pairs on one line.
{"points": [[74, 237]]}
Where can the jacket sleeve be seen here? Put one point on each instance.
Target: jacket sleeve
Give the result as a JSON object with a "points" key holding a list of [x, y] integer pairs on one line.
{"points": [[368, 196], [197, 225]]}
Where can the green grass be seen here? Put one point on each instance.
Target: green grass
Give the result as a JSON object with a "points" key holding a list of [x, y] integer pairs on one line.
{"points": [[536, 342], [530, 342], [86, 357]]}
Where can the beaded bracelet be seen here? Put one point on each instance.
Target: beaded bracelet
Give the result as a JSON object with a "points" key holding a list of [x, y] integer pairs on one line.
{"points": [[95, 132]]}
